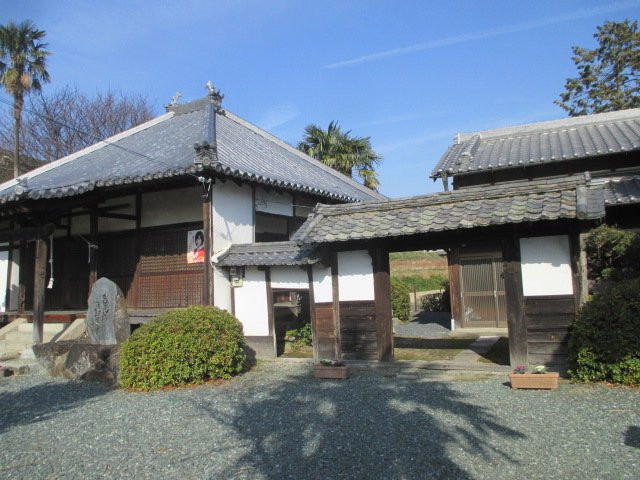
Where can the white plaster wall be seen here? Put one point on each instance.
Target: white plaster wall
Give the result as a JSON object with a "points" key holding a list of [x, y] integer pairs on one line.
{"points": [[322, 289], [222, 289], [274, 202], [114, 224], [546, 266], [232, 215], [172, 206], [355, 276], [251, 303], [289, 277]]}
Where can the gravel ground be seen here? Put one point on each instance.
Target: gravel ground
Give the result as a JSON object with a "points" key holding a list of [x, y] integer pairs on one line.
{"points": [[425, 325], [276, 422]]}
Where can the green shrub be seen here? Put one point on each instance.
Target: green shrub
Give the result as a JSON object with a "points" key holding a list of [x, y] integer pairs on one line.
{"points": [[612, 254], [421, 283], [301, 336], [400, 299], [437, 302], [184, 346], [605, 337]]}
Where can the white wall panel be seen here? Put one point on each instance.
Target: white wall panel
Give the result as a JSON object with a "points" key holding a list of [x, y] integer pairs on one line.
{"points": [[355, 276], [274, 202], [251, 303], [232, 215], [546, 266], [167, 207], [322, 291], [222, 289], [289, 277]]}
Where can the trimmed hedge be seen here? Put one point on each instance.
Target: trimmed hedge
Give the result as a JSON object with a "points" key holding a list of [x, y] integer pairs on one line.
{"points": [[183, 346], [605, 338], [400, 299]]}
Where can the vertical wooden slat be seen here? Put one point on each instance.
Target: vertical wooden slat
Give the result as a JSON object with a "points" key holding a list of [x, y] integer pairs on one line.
{"points": [[382, 294], [312, 314], [40, 274], [93, 254], [335, 289], [7, 293], [22, 292], [270, 316], [514, 299], [583, 283]]}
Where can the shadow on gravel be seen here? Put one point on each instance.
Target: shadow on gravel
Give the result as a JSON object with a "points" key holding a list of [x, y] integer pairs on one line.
{"points": [[632, 437], [44, 401], [370, 426]]}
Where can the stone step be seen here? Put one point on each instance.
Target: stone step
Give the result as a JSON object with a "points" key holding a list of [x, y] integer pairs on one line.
{"points": [[47, 327], [27, 337]]}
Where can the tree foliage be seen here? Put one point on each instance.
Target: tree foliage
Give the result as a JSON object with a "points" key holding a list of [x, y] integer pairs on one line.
{"points": [[342, 152], [22, 69], [609, 75], [67, 120]]}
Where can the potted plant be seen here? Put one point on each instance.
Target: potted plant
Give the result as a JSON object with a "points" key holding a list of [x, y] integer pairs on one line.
{"points": [[331, 369], [540, 378]]}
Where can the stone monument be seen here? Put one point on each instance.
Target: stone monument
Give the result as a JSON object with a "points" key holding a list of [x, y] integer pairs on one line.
{"points": [[107, 320]]}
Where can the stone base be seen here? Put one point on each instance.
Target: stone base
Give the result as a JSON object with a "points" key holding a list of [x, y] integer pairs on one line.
{"points": [[82, 361]]}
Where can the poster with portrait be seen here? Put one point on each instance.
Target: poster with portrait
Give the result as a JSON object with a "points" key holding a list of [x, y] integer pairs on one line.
{"points": [[195, 246]]}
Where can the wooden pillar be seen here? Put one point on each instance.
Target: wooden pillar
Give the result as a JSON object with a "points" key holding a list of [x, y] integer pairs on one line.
{"points": [[22, 293], [7, 293], [93, 253], [382, 294], [270, 313], [336, 304], [207, 294], [516, 321], [312, 314], [39, 289], [583, 277]]}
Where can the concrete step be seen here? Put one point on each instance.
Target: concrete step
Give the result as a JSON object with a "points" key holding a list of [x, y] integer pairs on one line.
{"points": [[48, 327]]}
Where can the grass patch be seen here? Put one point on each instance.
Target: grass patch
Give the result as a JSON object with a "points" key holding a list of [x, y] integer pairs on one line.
{"points": [[303, 351], [423, 283], [418, 255], [498, 354], [429, 349]]}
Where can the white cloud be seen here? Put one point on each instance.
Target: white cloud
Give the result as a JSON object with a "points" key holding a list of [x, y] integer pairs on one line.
{"points": [[468, 37]]}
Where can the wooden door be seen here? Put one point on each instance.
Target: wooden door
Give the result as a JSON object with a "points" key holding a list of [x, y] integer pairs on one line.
{"points": [[482, 290]]}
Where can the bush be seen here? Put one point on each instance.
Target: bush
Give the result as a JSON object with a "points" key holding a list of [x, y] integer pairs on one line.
{"points": [[605, 338], [400, 299], [301, 336], [612, 254], [437, 302], [184, 346], [422, 283]]}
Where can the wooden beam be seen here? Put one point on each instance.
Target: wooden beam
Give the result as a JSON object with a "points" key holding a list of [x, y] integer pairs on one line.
{"points": [[22, 293], [312, 314], [27, 233], [138, 209], [270, 313], [119, 216], [382, 294], [207, 293], [454, 285], [583, 275], [7, 294], [39, 279], [335, 290], [516, 321]]}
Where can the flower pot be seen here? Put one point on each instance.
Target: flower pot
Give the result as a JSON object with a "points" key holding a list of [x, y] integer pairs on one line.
{"points": [[548, 381], [323, 371]]}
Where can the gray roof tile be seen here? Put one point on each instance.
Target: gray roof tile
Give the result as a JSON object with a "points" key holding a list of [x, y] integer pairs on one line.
{"points": [[544, 142], [272, 253], [164, 147], [461, 209], [624, 190]]}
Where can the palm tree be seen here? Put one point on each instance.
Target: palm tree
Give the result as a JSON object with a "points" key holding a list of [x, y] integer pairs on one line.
{"points": [[342, 152], [22, 69]]}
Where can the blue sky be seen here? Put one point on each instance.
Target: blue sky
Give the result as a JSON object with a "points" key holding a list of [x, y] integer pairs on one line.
{"points": [[409, 74]]}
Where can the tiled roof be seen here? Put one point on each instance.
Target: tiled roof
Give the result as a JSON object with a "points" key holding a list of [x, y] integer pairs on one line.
{"points": [[271, 253], [621, 190], [457, 210], [544, 142], [164, 147]]}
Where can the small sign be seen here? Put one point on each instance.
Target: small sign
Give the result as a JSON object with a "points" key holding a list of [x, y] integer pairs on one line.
{"points": [[195, 246]]}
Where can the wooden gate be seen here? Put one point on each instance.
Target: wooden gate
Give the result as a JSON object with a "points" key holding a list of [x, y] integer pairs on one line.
{"points": [[482, 290]]}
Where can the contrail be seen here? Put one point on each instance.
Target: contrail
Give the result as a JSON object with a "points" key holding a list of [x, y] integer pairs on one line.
{"points": [[516, 27]]}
